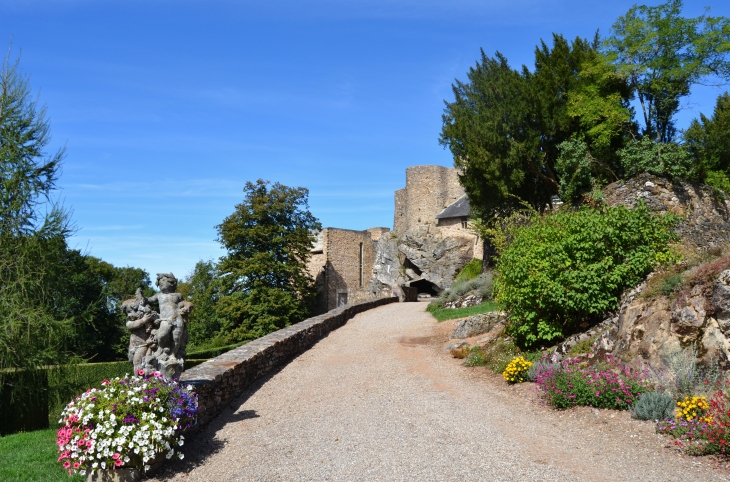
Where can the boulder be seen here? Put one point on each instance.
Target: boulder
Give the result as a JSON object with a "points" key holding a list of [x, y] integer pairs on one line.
{"points": [[478, 324]]}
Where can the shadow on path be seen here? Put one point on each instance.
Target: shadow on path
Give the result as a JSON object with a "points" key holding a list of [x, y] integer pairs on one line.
{"points": [[201, 445]]}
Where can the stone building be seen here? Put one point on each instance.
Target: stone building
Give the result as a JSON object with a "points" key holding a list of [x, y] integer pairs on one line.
{"points": [[342, 264], [430, 242]]}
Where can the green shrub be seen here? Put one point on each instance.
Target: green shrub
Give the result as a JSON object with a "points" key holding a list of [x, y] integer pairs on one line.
{"points": [[663, 159], [482, 285], [212, 352], [571, 267], [653, 406], [582, 347], [471, 270]]}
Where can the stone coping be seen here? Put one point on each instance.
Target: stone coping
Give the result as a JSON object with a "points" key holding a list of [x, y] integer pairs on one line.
{"points": [[221, 379]]}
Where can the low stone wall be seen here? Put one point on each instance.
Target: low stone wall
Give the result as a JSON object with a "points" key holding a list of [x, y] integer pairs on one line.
{"points": [[220, 380]]}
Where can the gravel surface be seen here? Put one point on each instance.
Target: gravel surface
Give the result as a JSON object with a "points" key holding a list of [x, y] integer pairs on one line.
{"points": [[379, 400]]}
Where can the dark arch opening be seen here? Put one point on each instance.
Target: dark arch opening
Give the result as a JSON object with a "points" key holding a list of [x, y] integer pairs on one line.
{"points": [[425, 286]]}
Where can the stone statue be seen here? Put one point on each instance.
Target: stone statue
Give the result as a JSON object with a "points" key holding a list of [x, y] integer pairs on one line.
{"points": [[158, 339]]}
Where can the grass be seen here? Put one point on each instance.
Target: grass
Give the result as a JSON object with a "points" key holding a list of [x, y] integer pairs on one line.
{"points": [[31, 456], [451, 314]]}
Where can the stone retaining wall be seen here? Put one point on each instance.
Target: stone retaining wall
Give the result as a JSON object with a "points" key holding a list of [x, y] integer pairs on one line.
{"points": [[220, 380]]}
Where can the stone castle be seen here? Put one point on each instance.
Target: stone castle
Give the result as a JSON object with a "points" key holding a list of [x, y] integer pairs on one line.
{"points": [[430, 242]]}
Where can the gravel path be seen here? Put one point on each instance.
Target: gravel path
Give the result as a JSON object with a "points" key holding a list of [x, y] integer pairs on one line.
{"points": [[379, 400]]}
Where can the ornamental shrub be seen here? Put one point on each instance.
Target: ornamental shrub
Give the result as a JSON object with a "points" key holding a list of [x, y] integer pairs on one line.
{"points": [[571, 267], [611, 386], [516, 371], [653, 406]]}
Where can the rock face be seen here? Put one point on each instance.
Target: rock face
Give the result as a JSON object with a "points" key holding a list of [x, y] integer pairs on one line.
{"points": [[706, 220], [478, 324], [430, 256], [651, 329], [422, 258]]}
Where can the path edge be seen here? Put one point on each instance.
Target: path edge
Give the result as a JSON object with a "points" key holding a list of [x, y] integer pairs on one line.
{"points": [[223, 378]]}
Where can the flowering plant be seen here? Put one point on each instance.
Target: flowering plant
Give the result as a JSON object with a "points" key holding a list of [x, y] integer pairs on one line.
{"points": [[609, 384], [516, 371], [694, 408], [129, 421]]}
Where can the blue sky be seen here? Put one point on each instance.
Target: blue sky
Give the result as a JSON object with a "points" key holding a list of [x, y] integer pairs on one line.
{"points": [[167, 108]]}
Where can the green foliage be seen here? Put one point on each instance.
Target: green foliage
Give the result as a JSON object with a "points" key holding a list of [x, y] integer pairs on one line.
{"points": [[480, 286], [582, 347], [264, 280], [203, 289], [471, 270], [653, 406], [670, 160], [709, 142], [213, 352], [505, 127], [31, 457], [719, 180], [572, 266], [662, 55], [453, 314]]}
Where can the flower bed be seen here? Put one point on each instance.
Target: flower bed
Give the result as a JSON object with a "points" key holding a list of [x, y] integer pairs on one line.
{"points": [[607, 384], [128, 422]]}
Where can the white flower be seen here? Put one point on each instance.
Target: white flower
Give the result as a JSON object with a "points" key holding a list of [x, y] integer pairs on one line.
{"points": [[180, 456], [94, 465], [103, 464], [146, 468]]}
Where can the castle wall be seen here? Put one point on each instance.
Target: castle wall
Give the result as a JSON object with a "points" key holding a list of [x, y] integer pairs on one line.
{"points": [[452, 228], [345, 265], [429, 190]]}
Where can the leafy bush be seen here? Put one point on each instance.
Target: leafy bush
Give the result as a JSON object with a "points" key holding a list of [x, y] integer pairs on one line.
{"points": [[572, 266], [471, 270], [602, 386], [516, 370], [662, 159], [582, 347], [653, 406]]}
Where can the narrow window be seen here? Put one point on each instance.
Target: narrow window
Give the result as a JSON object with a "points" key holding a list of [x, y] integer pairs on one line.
{"points": [[464, 223], [360, 265]]}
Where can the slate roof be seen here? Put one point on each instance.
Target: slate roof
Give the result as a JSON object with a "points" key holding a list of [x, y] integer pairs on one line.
{"points": [[457, 209]]}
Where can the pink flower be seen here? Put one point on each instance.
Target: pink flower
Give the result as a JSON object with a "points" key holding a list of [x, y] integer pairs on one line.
{"points": [[66, 464], [116, 456], [140, 372], [105, 382], [157, 374], [76, 465], [81, 443], [118, 462]]}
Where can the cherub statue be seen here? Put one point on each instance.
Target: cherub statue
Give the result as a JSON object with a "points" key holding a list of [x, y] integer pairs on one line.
{"points": [[171, 336], [141, 321]]}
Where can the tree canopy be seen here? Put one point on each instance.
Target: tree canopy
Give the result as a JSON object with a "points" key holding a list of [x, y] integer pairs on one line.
{"points": [[663, 54], [264, 280]]}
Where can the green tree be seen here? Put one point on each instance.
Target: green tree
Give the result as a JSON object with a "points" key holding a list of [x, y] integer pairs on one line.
{"points": [[268, 238], [663, 55], [505, 127], [32, 244], [202, 288], [708, 139]]}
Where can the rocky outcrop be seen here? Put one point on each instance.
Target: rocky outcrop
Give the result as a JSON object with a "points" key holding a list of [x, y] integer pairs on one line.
{"points": [[705, 214], [478, 324], [432, 257], [421, 258], [650, 329]]}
